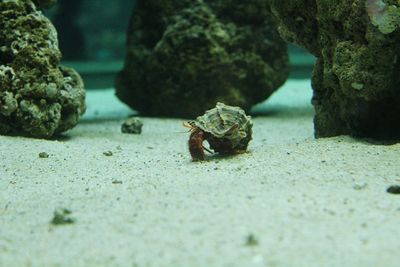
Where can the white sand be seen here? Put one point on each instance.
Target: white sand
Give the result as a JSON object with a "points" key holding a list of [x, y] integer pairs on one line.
{"points": [[307, 202]]}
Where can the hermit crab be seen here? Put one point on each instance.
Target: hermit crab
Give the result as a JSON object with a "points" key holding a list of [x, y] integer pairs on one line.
{"points": [[227, 129]]}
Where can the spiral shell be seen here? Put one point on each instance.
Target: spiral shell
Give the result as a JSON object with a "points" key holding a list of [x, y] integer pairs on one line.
{"points": [[228, 125]]}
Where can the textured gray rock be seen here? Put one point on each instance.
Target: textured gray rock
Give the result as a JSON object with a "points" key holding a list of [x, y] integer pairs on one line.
{"points": [[356, 79], [38, 97], [132, 126], [185, 56]]}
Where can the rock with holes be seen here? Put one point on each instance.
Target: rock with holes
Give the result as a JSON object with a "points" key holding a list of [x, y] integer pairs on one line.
{"points": [[38, 97], [132, 125], [186, 55], [356, 78], [226, 128]]}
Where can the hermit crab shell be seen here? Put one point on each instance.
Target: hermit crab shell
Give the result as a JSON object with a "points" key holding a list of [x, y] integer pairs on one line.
{"points": [[226, 124]]}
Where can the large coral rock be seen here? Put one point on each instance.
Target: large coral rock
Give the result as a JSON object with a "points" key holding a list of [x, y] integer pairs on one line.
{"points": [[185, 56], [38, 97], [356, 78]]}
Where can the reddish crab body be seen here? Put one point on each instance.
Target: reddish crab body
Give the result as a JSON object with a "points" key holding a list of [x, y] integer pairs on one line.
{"points": [[227, 129], [196, 140]]}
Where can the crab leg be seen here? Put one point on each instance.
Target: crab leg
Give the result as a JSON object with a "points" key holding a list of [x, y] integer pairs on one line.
{"points": [[208, 150], [196, 145]]}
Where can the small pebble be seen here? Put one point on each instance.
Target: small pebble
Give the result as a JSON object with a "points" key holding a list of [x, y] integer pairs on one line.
{"points": [[132, 125], [108, 153], [62, 217], [43, 155], [394, 189], [251, 241], [359, 186]]}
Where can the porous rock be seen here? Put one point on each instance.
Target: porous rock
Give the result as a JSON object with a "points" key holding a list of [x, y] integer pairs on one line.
{"points": [[356, 78], [185, 56], [38, 97], [132, 126]]}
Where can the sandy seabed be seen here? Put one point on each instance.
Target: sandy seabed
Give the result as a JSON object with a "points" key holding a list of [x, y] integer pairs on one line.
{"points": [[292, 200]]}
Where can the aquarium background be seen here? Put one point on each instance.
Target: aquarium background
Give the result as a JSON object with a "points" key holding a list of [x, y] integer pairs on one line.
{"points": [[92, 38]]}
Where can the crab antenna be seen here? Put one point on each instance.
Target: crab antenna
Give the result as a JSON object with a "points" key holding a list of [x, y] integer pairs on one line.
{"points": [[189, 124]]}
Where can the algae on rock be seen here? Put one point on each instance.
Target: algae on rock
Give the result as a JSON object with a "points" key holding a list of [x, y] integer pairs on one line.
{"points": [[38, 97], [185, 56], [356, 78]]}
